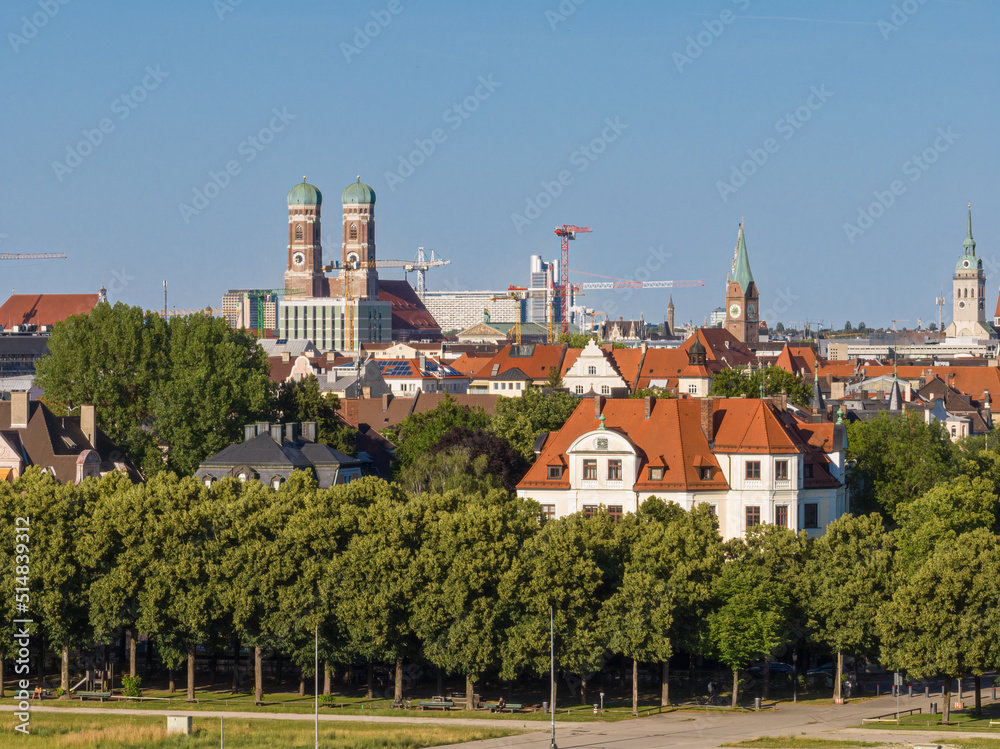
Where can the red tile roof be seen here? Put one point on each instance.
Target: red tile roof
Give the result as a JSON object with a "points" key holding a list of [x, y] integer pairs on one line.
{"points": [[44, 309], [410, 317], [543, 358]]}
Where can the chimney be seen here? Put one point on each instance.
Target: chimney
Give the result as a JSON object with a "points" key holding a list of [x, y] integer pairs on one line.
{"points": [[598, 404], [423, 362], [308, 431], [330, 356], [708, 419], [88, 424], [262, 427], [19, 410], [292, 433], [649, 406], [249, 432], [286, 357], [276, 433], [386, 398]]}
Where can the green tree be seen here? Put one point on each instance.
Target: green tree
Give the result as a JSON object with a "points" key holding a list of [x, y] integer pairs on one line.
{"points": [[894, 460], [576, 340], [418, 433], [566, 566], [848, 580], [750, 616], [112, 358], [521, 420], [179, 605], [933, 327], [301, 400], [216, 382], [848, 327], [460, 613], [862, 327], [944, 621], [779, 328], [554, 378], [740, 381]]}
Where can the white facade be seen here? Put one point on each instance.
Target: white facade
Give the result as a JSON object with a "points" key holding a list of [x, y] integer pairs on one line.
{"points": [[593, 372]]}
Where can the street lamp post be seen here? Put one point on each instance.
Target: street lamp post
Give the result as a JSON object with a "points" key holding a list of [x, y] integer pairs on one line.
{"points": [[552, 680], [316, 684], [795, 678]]}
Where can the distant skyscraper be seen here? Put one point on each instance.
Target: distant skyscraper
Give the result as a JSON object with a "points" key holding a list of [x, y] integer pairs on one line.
{"points": [[541, 277]]}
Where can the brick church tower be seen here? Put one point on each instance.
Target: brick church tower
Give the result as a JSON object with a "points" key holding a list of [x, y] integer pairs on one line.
{"points": [[741, 297], [304, 263]]}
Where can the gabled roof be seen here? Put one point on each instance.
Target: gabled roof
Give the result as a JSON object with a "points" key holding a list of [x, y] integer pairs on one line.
{"points": [[799, 360], [747, 425], [535, 360], [44, 309], [513, 374]]}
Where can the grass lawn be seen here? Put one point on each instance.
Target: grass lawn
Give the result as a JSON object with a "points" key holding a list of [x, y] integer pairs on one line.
{"points": [[961, 720], [286, 702], [50, 730], [801, 742]]}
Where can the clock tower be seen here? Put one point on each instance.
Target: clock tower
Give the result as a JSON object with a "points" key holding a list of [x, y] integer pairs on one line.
{"points": [[741, 297], [304, 263], [969, 283], [357, 260]]}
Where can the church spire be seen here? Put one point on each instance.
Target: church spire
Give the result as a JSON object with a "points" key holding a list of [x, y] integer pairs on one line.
{"points": [[741, 263], [969, 244]]}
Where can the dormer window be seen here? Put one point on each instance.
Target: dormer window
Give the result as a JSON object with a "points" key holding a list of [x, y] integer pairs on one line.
{"points": [[705, 473], [656, 473], [555, 472]]}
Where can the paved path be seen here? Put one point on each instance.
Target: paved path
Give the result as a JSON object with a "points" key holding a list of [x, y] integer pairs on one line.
{"points": [[682, 730], [695, 730]]}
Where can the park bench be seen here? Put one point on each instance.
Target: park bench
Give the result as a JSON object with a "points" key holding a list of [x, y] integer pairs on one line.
{"points": [[435, 704], [94, 695], [511, 707]]}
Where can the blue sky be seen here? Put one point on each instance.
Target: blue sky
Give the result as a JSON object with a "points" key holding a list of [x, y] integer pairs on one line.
{"points": [[660, 125]]}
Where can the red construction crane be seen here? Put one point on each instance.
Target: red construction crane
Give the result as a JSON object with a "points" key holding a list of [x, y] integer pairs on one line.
{"points": [[566, 233]]}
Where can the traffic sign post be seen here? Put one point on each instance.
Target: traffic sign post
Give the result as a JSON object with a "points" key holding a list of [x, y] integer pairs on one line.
{"points": [[897, 683]]}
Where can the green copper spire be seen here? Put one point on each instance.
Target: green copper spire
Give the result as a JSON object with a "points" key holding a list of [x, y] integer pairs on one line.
{"points": [[741, 264], [969, 244]]}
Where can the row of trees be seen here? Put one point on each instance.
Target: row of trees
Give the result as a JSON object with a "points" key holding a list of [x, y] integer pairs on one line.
{"points": [[187, 385], [465, 579]]}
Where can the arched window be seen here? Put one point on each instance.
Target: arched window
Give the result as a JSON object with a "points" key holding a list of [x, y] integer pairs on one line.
{"points": [[298, 232], [354, 231]]}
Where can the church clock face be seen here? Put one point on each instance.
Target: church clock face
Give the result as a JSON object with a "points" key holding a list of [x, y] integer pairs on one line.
{"points": [[961, 305], [734, 310], [751, 311], [298, 258], [965, 263]]}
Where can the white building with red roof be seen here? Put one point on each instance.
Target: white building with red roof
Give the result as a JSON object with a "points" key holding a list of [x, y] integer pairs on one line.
{"points": [[752, 460]]}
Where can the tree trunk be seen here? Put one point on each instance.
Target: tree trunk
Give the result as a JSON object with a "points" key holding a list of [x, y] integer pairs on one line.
{"points": [[327, 677], [583, 689], [2, 676], [470, 687], [370, 692], [691, 675], [665, 685], [979, 698], [148, 666], [171, 681], [64, 671], [190, 696], [302, 682], [397, 696], [258, 676], [838, 694], [281, 662], [736, 687], [236, 665], [133, 650], [440, 676], [635, 686], [41, 659], [767, 677], [946, 699]]}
